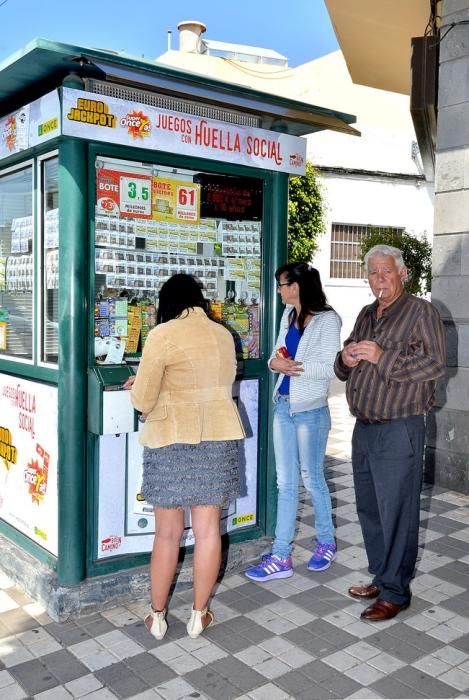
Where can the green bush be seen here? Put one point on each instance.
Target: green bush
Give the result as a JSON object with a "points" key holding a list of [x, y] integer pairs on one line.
{"points": [[306, 221]]}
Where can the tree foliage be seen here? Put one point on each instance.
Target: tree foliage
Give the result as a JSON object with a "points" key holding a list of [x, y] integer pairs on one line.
{"points": [[306, 220], [417, 254]]}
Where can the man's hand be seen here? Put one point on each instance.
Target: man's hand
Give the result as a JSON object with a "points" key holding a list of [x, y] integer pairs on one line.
{"points": [[349, 358], [290, 367], [365, 350]]}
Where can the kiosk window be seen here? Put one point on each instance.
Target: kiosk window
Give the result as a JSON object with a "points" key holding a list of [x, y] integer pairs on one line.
{"points": [[50, 262], [153, 221], [16, 263]]}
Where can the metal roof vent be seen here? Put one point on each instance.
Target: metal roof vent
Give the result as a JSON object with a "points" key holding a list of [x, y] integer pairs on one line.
{"points": [[190, 32]]}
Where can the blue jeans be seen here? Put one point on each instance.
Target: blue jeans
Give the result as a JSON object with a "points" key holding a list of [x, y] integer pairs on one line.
{"points": [[300, 444]]}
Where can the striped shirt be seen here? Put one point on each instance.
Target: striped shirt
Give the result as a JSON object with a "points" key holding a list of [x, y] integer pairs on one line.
{"points": [[402, 383]]}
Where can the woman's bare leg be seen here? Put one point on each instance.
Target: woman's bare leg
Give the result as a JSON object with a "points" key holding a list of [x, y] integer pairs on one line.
{"points": [[207, 552], [164, 558]]}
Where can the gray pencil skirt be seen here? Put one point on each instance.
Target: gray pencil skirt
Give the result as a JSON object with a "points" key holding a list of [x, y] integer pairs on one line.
{"points": [[181, 476]]}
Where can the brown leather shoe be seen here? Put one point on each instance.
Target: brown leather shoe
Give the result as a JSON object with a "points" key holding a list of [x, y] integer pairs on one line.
{"points": [[382, 610], [364, 592]]}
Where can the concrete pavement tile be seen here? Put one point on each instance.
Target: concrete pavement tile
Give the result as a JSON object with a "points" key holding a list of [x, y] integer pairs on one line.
{"points": [[424, 683], [340, 684], [240, 674], [387, 663], [95, 625], [17, 621], [271, 668], [34, 677], [7, 602], [210, 653], [67, 633], [451, 655], [364, 694], [102, 694], [83, 686], [302, 688], [17, 595], [58, 693], [153, 671], [364, 674], [138, 632], [64, 665], [432, 665], [391, 687], [13, 652], [257, 634], [445, 633], [253, 655], [12, 692], [121, 680], [457, 678], [362, 651], [462, 643], [269, 691], [340, 660], [6, 679], [210, 683]]}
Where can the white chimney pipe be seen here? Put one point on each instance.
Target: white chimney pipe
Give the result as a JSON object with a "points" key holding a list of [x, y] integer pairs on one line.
{"points": [[190, 32]]}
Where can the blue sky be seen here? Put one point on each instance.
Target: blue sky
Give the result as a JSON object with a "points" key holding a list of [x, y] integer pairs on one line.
{"points": [[298, 29]]}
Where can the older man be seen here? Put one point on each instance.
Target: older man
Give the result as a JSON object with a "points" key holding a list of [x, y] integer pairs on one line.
{"points": [[390, 362]]}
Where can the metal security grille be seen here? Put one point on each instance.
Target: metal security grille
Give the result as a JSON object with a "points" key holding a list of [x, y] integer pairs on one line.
{"points": [[345, 248], [174, 104]]}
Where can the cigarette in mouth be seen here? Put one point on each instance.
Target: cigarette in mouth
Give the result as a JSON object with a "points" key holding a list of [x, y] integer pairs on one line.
{"points": [[380, 294]]}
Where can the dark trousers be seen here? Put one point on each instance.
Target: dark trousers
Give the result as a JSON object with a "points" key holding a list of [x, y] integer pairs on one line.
{"points": [[387, 471]]}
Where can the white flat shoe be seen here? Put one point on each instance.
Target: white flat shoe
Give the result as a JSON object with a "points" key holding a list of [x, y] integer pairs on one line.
{"points": [[199, 622], [156, 623]]}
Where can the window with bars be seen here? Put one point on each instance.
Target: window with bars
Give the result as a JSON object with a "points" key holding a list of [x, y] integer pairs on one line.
{"points": [[345, 248]]}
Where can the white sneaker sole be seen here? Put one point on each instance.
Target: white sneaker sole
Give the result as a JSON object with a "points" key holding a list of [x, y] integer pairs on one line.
{"points": [[269, 577]]}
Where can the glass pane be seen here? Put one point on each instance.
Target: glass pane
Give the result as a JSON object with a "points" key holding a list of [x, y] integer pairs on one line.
{"points": [[16, 264], [152, 222], [50, 265]]}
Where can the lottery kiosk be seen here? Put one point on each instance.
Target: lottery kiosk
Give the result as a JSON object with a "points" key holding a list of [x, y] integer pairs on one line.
{"points": [[115, 173]]}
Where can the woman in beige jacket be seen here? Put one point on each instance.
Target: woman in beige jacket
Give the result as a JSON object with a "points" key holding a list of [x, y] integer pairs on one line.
{"points": [[183, 389]]}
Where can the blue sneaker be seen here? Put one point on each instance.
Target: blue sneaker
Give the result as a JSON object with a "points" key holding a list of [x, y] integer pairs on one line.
{"points": [[323, 557], [270, 567]]}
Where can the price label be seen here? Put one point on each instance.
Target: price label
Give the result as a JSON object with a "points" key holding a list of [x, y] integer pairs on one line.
{"points": [[135, 196], [187, 202]]}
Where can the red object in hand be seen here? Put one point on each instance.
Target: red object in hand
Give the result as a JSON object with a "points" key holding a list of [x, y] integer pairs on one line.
{"points": [[283, 353]]}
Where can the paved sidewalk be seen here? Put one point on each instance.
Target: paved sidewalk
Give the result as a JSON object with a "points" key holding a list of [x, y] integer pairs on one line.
{"points": [[298, 638]]}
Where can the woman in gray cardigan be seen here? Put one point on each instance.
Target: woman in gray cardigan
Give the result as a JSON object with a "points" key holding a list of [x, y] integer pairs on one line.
{"points": [[304, 354]]}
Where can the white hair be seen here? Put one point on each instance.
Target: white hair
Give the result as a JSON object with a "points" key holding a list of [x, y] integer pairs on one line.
{"points": [[381, 250]]}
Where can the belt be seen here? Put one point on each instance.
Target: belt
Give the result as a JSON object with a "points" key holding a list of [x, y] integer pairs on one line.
{"points": [[368, 421]]}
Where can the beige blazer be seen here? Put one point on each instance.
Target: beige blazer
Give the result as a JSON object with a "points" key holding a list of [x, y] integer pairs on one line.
{"points": [[184, 383]]}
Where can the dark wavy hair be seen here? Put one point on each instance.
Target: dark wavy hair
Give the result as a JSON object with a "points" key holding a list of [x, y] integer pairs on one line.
{"points": [[312, 297], [179, 293]]}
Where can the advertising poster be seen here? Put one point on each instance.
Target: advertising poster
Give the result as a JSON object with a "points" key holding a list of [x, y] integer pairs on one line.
{"points": [[175, 201], [139, 196], [30, 125], [112, 120], [28, 459], [125, 522]]}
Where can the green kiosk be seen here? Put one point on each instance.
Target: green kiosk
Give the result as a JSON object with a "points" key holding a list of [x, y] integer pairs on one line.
{"points": [[115, 173]]}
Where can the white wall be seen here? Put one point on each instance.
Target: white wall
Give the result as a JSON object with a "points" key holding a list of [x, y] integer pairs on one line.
{"points": [[379, 202]]}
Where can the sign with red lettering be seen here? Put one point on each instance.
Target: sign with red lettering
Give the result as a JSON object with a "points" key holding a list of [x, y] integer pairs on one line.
{"points": [[230, 198], [123, 194], [95, 117]]}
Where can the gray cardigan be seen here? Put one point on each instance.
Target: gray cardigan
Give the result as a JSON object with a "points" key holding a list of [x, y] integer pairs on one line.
{"points": [[317, 350]]}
